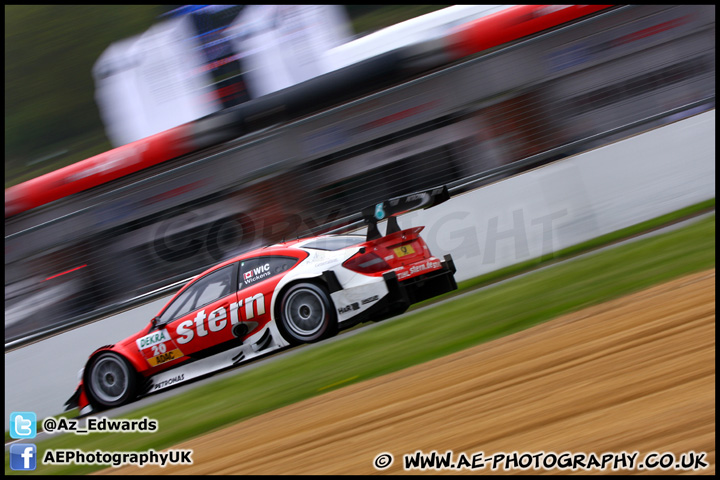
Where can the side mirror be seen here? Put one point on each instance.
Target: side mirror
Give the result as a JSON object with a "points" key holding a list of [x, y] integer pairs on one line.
{"points": [[154, 321]]}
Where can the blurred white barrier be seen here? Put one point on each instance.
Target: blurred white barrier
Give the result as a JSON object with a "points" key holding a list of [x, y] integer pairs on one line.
{"points": [[576, 199], [425, 27]]}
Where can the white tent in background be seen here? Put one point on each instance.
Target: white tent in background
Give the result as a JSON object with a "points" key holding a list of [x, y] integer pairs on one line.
{"points": [[116, 95], [151, 83], [283, 45]]}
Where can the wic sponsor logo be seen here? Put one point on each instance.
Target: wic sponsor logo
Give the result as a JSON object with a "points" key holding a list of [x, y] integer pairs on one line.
{"points": [[257, 273]]}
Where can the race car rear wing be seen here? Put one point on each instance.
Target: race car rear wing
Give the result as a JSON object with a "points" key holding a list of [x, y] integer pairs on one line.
{"points": [[388, 209], [393, 207]]}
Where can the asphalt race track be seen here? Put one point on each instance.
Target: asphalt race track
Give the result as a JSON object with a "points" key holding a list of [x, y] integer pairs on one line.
{"points": [[40, 377], [30, 385], [636, 374]]}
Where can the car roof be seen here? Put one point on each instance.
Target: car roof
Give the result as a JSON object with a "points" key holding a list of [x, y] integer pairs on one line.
{"points": [[277, 248], [267, 250]]}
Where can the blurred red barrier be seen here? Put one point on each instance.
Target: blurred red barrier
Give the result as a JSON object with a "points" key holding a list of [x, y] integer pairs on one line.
{"points": [[502, 27], [97, 170], [512, 24]]}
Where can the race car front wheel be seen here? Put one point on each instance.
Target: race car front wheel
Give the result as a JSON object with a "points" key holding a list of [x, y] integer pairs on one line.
{"points": [[306, 314], [110, 381]]}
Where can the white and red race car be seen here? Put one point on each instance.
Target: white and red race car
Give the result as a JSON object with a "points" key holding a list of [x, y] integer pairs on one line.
{"points": [[271, 298]]}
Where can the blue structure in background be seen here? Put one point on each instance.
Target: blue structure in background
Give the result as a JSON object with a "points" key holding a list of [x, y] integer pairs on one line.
{"points": [[224, 64]]}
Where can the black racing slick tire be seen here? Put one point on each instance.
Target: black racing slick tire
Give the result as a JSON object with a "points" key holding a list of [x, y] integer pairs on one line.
{"points": [[110, 381], [306, 314]]}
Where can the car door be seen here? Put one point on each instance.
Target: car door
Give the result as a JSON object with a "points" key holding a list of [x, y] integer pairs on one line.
{"points": [[201, 318], [258, 277]]}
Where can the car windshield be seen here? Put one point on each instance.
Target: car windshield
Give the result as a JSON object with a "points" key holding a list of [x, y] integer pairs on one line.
{"points": [[337, 242], [207, 289]]}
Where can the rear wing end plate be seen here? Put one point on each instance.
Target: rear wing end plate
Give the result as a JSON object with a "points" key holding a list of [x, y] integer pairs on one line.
{"points": [[393, 207]]}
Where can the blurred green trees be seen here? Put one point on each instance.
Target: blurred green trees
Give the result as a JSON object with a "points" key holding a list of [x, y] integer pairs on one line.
{"points": [[49, 89], [51, 118]]}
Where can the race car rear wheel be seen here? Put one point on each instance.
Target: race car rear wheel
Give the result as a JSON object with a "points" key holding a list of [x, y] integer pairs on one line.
{"points": [[110, 381], [306, 314]]}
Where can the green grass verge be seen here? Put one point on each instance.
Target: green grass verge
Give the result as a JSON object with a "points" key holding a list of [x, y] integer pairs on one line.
{"points": [[479, 317]]}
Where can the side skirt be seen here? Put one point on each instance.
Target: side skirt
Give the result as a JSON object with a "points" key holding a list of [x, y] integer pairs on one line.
{"points": [[265, 341]]}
